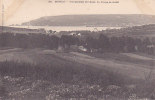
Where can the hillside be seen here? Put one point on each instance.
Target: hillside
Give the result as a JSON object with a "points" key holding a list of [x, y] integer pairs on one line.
{"points": [[136, 31], [108, 20], [7, 29]]}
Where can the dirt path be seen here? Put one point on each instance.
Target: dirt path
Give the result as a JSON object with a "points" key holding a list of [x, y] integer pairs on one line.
{"points": [[138, 56], [49, 56], [133, 70]]}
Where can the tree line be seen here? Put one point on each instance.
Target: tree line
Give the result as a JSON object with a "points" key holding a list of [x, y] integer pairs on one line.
{"points": [[121, 44], [101, 44]]}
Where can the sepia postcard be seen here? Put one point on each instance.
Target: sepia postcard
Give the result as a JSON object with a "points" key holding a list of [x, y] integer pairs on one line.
{"points": [[77, 50]]}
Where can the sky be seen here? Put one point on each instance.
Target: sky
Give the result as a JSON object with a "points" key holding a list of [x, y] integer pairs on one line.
{"points": [[19, 11]]}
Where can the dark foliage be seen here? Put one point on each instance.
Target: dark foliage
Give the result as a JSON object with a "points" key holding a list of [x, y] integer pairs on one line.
{"points": [[102, 43]]}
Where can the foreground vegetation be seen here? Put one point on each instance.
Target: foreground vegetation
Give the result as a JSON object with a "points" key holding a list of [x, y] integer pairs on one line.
{"points": [[68, 79], [54, 81]]}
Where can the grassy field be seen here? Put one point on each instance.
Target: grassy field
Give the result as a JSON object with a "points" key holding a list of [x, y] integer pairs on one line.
{"points": [[133, 65], [39, 74]]}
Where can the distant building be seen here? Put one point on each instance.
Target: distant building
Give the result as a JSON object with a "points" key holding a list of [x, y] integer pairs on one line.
{"points": [[77, 48], [75, 34], [150, 46], [81, 48]]}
